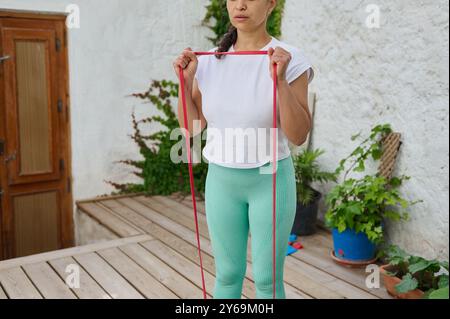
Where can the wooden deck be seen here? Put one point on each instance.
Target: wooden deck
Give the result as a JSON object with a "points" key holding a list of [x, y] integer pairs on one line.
{"points": [[155, 256]]}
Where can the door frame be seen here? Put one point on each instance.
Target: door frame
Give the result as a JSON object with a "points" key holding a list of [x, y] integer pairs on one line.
{"points": [[67, 204]]}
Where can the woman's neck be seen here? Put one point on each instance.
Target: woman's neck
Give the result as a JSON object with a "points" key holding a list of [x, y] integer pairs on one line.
{"points": [[251, 41]]}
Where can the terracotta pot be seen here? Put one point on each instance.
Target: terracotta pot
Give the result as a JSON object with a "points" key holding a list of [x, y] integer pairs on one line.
{"points": [[390, 283]]}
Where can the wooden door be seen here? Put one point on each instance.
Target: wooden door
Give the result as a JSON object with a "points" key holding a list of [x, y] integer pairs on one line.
{"points": [[35, 190]]}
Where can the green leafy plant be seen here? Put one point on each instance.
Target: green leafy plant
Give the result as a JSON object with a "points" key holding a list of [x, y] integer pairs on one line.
{"points": [[362, 204], [307, 171], [161, 176], [418, 273], [218, 21]]}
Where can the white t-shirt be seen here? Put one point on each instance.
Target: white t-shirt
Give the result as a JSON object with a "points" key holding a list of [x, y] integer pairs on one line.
{"points": [[237, 102]]}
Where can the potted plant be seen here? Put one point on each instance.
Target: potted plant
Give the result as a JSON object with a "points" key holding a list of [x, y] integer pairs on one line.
{"points": [[412, 277], [308, 171], [359, 207]]}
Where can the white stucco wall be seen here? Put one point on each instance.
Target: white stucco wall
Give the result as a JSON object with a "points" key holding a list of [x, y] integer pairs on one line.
{"points": [[396, 74]]}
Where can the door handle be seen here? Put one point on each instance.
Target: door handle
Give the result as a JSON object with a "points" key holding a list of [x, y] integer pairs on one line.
{"points": [[11, 157], [4, 58]]}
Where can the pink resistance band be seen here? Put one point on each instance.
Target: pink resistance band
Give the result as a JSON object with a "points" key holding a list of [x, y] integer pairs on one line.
{"points": [[191, 175]]}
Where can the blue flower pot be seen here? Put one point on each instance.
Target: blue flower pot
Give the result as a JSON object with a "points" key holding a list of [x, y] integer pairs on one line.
{"points": [[353, 246]]}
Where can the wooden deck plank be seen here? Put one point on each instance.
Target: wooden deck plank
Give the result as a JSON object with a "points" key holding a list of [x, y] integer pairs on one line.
{"points": [[161, 260], [180, 209], [297, 279], [188, 202], [174, 211], [169, 202], [342, 273], [47, 281], [189, 235], [321, 238], [167, 223], [101, 198], [322, 241], [181, 245], [141, 280], [107, 218], [172, 239], [111, 281], [125, 212], [188, 249], [332, 283], [88, 288], [166, 236], [317, 255], [164, 207], [171, 212], [314, 288], [350, 291], [17, 262], [295, 293], [17, 285], [182, 287], [180, 263]]}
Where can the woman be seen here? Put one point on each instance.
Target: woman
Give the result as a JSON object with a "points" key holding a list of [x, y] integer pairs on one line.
{"points": [[235, 93]]}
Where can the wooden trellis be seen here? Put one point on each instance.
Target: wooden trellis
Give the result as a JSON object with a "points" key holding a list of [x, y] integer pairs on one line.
{"points": [[391, 146]]}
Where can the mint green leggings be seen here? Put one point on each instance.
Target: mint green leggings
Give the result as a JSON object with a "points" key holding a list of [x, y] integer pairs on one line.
{"points": [[238, 201]]}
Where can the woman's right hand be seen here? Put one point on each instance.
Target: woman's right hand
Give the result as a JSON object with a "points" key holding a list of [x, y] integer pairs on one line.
{"points": [[189, 62]]}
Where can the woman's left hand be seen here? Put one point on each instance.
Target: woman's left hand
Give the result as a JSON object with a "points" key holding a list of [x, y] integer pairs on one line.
{"points": [[281, 57]]}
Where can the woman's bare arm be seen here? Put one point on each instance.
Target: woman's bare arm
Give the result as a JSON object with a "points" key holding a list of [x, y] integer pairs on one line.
{"points": [[194, 108]]}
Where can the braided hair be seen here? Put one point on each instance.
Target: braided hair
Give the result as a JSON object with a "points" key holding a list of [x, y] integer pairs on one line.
{"points": [[227, 41]]}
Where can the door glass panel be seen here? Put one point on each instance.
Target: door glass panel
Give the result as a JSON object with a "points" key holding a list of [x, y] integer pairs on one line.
{"points": [[33, 107]]}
